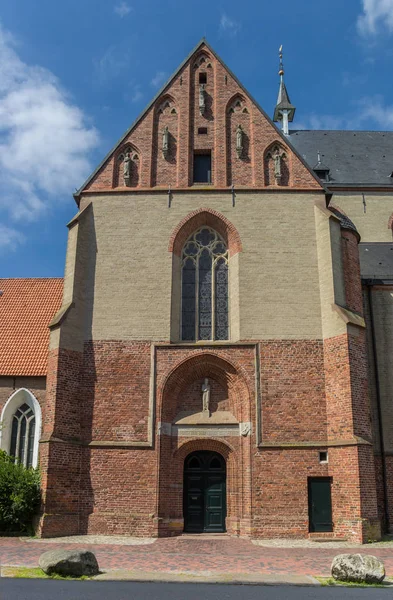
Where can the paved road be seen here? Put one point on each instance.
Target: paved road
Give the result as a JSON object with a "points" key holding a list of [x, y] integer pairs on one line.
{"points": [[28, 589]]}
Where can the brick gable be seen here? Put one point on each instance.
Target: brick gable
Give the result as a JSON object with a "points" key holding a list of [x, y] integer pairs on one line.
{"points": [[200, 129]]}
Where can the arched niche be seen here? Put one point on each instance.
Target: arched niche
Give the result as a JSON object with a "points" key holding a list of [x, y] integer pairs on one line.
{"points": [[119, 179], [18, 399], [276, 165], [203, 86], [238, 140], [165, 142]]}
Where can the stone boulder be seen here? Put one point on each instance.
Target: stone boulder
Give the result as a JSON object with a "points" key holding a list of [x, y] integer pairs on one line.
{"points": [[72, 563], [358, 568]]}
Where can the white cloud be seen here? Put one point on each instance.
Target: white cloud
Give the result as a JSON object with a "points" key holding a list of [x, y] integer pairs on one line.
{"points": [[377, 16], [44, 140], [10, 238], [122, 9], [158, 79], [371, 112], [228, 25]]}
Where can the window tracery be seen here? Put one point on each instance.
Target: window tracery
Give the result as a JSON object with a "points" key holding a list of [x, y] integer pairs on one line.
{"points": [[205, 287], [22, 435]]}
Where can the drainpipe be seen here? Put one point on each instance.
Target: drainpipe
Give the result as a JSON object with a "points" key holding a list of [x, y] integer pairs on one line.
{"points": [[378, 398]]}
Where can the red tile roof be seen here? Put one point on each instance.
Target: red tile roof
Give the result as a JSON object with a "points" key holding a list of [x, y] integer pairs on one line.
{"points": [[26, 309]]}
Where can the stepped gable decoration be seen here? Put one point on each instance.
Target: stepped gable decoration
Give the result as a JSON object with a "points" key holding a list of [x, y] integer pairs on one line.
{"points": [[202, 109]]}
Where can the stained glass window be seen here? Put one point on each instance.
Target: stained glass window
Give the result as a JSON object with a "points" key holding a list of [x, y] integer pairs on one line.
{"points": [[205, 287], [22, 435]]}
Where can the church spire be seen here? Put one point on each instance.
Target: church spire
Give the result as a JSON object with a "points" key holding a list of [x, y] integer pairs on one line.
{"points": [[284, 110]]}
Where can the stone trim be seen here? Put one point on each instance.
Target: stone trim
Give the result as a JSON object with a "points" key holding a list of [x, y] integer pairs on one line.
{"points": [[348, 316], [61, 315], [356, 441], [76, 217], [211, 218], [205, 431]]}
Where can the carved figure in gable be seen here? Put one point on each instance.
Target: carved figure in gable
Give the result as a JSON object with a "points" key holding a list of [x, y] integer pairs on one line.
{"points": [[239, 140], [277, 166], [127, 168], [202, 100], [206, 397], [277, 155], [165, 142]]}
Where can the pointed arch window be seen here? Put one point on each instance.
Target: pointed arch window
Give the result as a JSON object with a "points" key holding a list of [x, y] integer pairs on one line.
{"points": [[205, 287], [22, 435]]}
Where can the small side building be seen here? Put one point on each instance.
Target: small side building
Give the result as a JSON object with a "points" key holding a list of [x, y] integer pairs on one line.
{"points": [[26, 308]]}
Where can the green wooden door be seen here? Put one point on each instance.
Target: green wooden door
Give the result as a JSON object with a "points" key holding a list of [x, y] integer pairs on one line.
{"points": [[204, 492], [320, 504]]}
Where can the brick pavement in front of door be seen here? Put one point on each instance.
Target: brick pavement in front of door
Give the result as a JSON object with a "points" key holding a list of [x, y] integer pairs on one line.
{"points": [[182, 555]]}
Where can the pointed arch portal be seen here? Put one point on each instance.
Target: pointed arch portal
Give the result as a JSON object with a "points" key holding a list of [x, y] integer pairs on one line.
{"points": [[204, 496]]}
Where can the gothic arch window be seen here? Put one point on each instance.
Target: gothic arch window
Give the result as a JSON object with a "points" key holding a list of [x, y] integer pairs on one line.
{"points": [[204, 314], [21, 427], [22, 435]]}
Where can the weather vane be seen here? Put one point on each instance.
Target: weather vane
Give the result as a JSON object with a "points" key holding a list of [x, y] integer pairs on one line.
{"points": [[281, 71]]}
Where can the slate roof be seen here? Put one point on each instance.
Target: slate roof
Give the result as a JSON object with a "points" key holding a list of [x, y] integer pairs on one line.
{"points": [[283, 103], [345, 221], [26, 309], [357, 158], [376, 260]]}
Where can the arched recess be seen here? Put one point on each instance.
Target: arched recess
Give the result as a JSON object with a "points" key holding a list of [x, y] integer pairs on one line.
{"points": [[187, 226], [226, 373], [119, 180], [238, 141], [173, 449], [165, 142], [14, 402], [276, 163]]}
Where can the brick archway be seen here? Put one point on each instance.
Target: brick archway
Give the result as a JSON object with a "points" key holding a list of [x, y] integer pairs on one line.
{"points": [[175, 443], [211, 218], [201, 365]]}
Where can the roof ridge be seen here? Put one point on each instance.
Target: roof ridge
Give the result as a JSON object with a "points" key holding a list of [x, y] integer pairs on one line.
{"points": [[343, 130]]}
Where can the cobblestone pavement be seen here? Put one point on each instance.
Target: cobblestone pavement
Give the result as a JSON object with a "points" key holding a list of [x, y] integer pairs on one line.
{"points": [[196, 555]]}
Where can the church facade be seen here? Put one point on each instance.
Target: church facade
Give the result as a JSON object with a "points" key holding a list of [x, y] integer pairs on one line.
{"points": [[221, 359]]}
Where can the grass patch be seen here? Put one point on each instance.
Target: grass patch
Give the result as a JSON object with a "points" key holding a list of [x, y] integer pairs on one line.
{"points": [[35, 573], [326, 581]]}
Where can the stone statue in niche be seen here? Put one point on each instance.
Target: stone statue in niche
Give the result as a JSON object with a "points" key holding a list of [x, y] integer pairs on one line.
{"points": [[127, 169], [165, 142], [206, 397], [277, 166], [202, 104], [239, 141]]}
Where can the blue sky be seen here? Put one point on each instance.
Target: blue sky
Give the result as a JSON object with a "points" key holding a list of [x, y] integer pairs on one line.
{"points": [[74, 75]]}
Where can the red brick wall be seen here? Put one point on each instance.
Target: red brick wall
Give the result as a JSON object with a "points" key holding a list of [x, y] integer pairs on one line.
{"points": [[221, 92], [293, 391], [351, 266], [60, 450], [114, 386], [139, 491], [279, 482]]}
